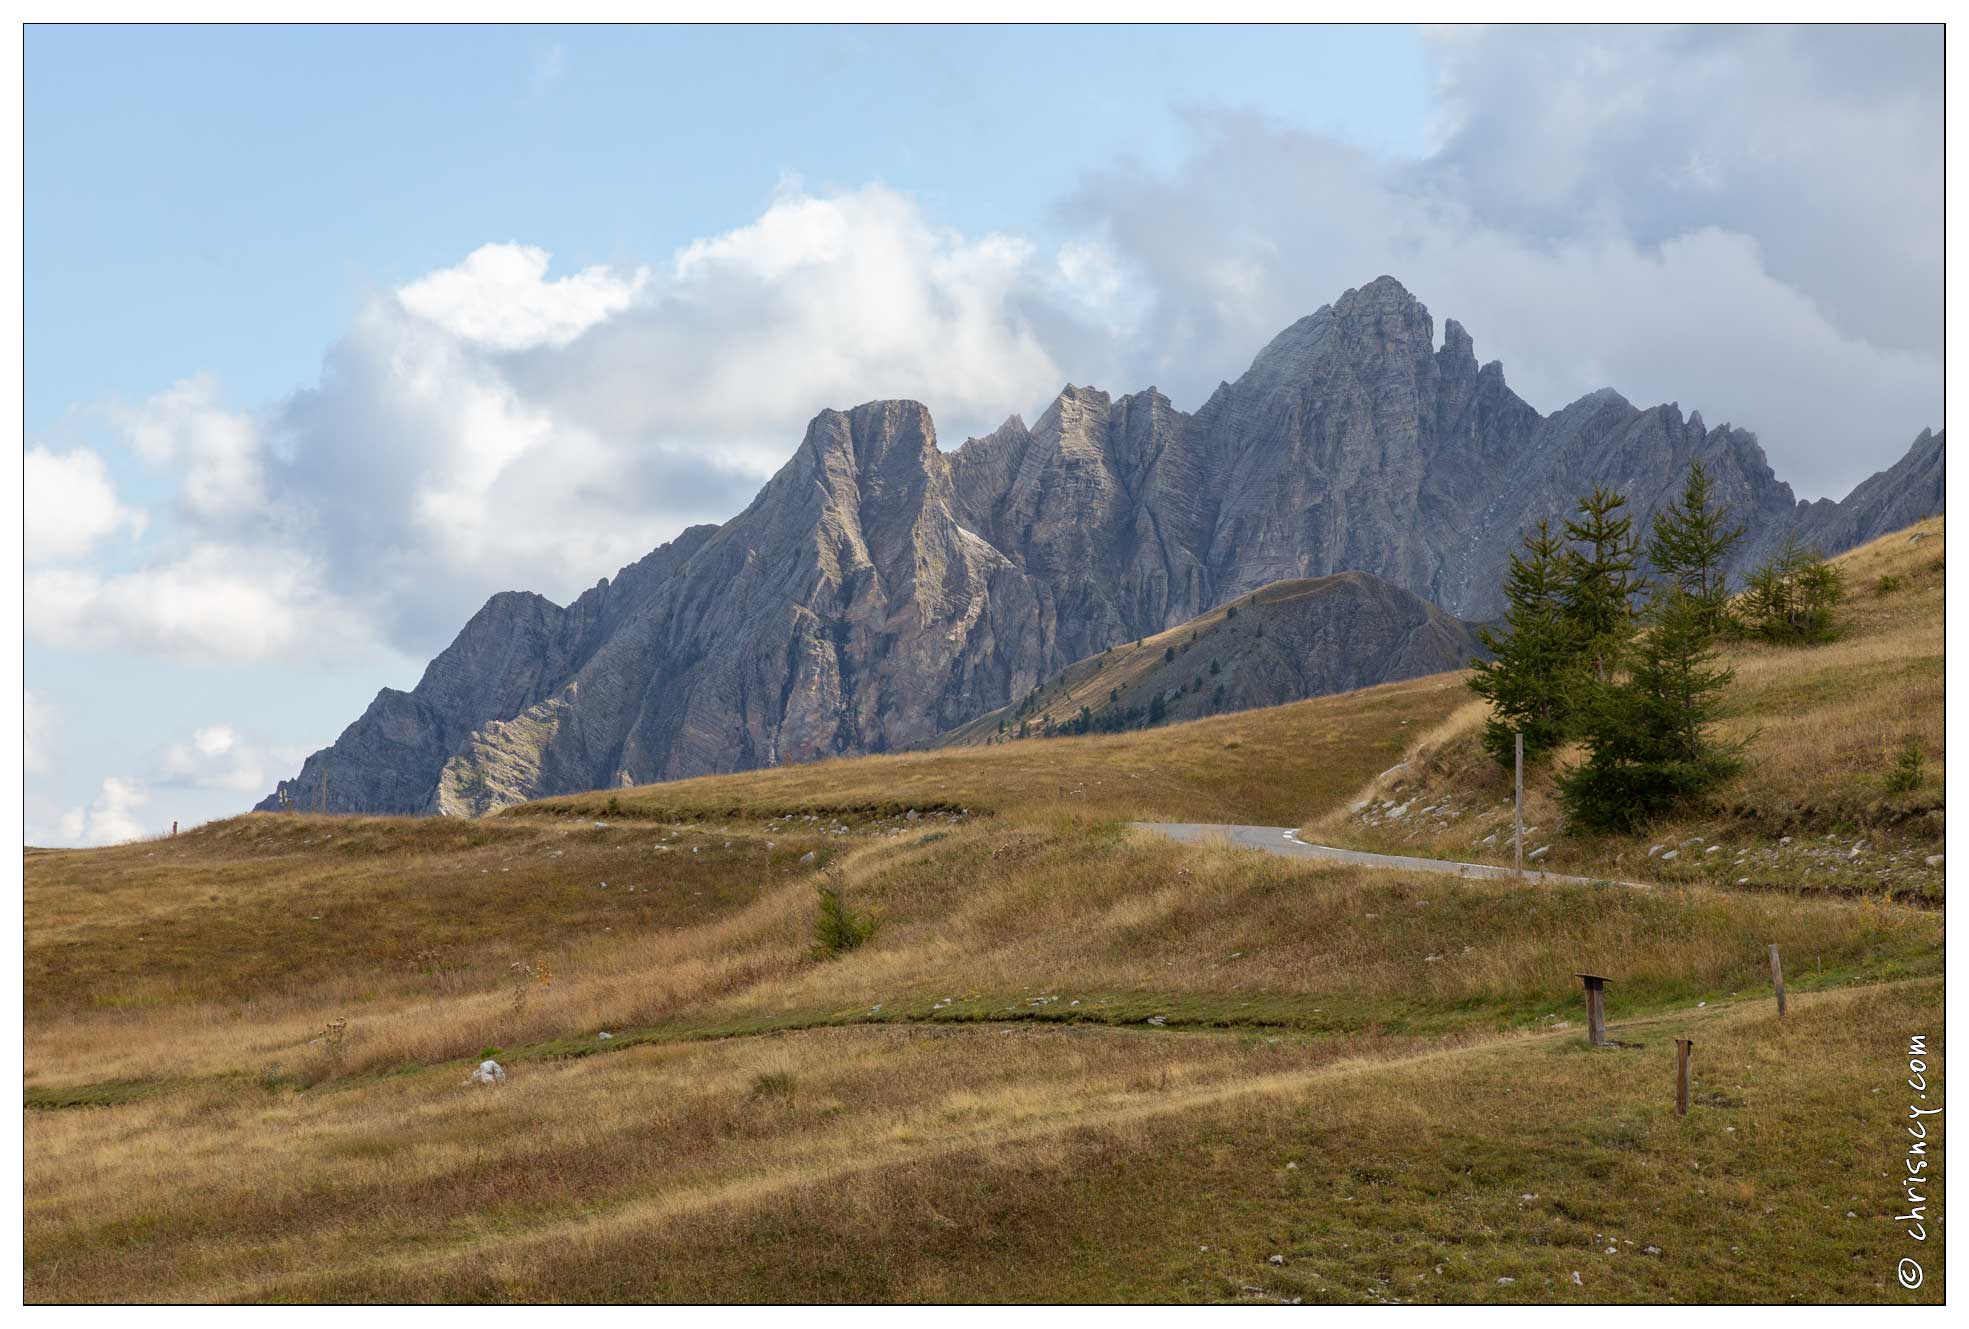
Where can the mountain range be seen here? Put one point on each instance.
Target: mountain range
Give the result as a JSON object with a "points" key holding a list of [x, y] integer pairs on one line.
{"points": [[880, 591]]}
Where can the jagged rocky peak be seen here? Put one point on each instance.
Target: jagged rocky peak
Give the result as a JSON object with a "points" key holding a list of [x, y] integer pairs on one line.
{"points": [[1377, 326], [879, 591]]}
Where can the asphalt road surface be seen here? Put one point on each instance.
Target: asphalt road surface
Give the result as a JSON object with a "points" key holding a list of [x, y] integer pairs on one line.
{"points": [[1284, 841]]}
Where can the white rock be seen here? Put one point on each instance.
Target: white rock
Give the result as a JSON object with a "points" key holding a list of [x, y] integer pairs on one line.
{"points": [[489, 1072], [1654, 849], [1670, 854], [1933, 861]]}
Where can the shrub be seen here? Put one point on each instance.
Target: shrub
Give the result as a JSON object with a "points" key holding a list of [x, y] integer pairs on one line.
{"points": [[1887, 585], [838, 928], [1905, 778]]}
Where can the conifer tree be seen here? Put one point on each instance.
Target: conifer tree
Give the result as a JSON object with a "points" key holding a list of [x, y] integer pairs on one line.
{"points": [[1791, 595], [1647, 735], [1528, 679], [1601, 580], [1691, 542]]}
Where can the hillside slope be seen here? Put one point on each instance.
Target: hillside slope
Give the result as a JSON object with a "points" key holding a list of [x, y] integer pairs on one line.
{"points": [[880, 591], [1824, 726], [1281, 643], [1258, 1080]]}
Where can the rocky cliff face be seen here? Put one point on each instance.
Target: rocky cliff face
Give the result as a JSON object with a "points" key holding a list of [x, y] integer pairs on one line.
{"points": [[880, 591]]}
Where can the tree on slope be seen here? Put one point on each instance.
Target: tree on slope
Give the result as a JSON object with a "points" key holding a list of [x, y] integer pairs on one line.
{"points": [[1528, 679], [1692, 540], [1602, 580], [1791, 596], [1648, 734]]}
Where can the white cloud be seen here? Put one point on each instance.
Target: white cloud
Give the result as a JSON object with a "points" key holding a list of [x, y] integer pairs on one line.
{"points": [[112, 818], [215, 452], [1821, 144], [499, 298], [214, 758], [71, 504], [208, 602]]}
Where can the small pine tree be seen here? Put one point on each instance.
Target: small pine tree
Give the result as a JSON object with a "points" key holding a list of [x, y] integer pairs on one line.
{"points": [[1791, 595], [1647, 735], [1157, 710], [1691, 542], [1601, 580], [1528, 680], [1905, 778], [1168, 654], [836, 927]]}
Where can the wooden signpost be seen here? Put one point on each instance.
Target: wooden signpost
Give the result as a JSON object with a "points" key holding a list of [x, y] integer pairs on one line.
{"points": [[1518, 829], [1682, 1046], [1777, 978], [1596, 1009]]}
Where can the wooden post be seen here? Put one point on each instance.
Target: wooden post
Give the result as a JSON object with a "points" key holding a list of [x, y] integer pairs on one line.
{"points": [[1518, 829], [1682, 1046], [1777, 978], [1596, 1009]]}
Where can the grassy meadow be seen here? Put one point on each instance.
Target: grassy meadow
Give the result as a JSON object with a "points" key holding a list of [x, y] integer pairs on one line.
{"points": [[1072, 1062]]}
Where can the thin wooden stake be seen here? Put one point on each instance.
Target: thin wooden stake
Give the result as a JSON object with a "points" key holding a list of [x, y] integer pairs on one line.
{"points": [[1777, 978], [1682, 1046], [1518, 832]]}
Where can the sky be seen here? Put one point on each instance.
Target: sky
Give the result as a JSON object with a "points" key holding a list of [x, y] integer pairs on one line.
{"points": [[333, 332]]}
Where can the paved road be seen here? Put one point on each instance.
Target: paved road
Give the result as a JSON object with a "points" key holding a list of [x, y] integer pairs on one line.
{"points": [[1284, 841]]}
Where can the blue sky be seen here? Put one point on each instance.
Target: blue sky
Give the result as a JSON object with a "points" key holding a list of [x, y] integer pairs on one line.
{"points": [[224, 197], [331, 332]]}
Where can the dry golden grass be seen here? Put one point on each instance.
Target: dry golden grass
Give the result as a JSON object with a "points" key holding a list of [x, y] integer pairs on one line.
{"points": [[1823, 727], [1266, 766], [1073, 922], [991, 1162]]}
